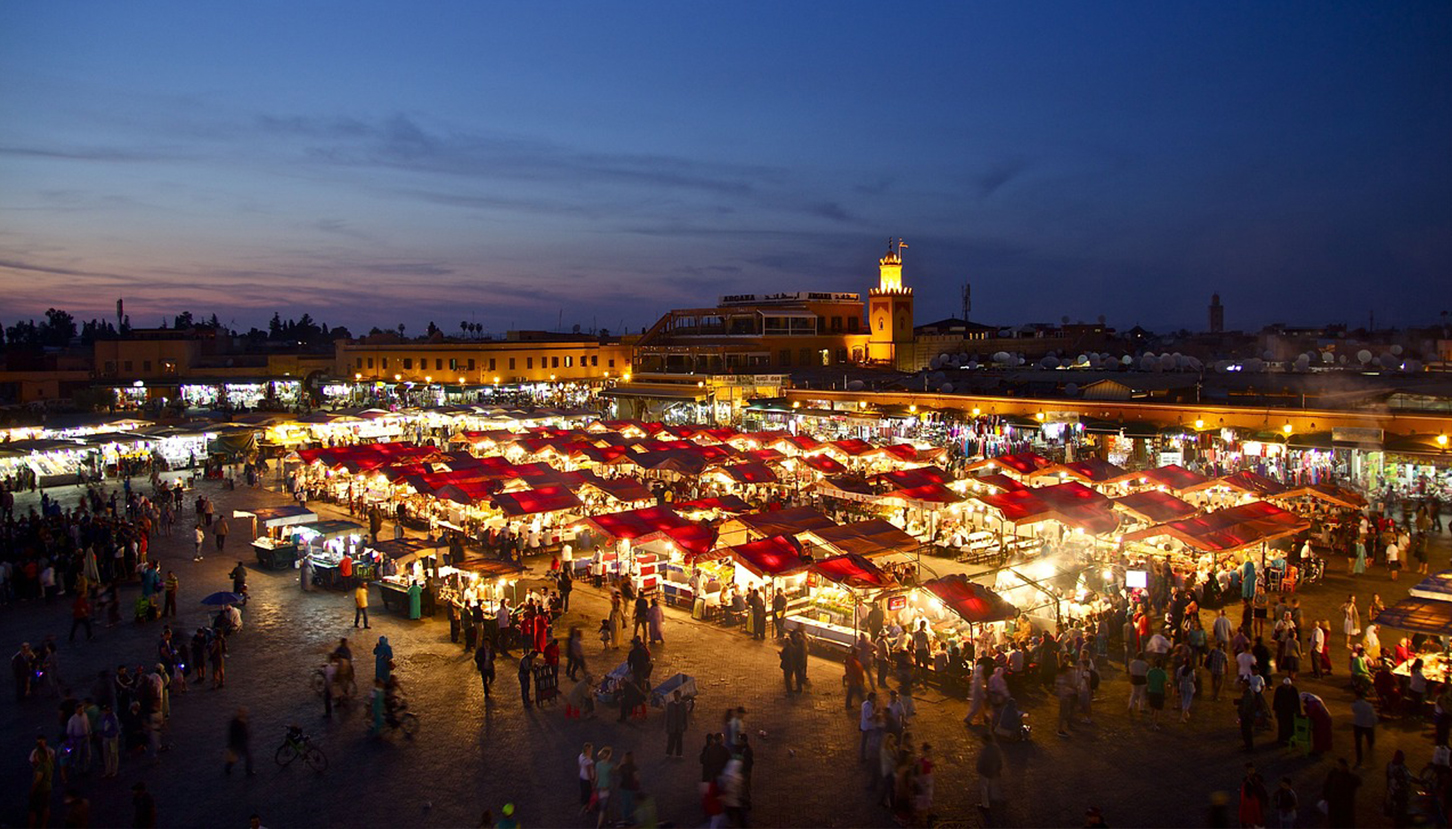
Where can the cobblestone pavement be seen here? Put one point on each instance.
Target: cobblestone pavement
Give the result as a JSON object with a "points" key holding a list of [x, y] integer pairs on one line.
{"points": [[468, 756]]}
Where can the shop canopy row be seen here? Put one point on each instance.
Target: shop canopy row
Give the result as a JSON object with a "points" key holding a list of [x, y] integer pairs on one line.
{"points": [[1228, 530]]}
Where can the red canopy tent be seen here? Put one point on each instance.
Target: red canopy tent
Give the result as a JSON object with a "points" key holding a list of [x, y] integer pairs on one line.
{"points": [[1022, 463], [533, 501], [921, 476], [797, 443], [1228, 530], [1089, 470], [641, 525], [927, 496], [1340, 496], [823, 463], [868, 539], [724, 503], [747, 473], [620, 489], [754, 525], [770, 557], [908, 453], [1174, 477], [763, 455], [853, 571], [1155, 506], [466, 492], [852, 447], [975, 603], [999, 481]]}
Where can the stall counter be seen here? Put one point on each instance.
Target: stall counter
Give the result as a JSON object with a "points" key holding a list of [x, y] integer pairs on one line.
{"points": [[274, 554]]}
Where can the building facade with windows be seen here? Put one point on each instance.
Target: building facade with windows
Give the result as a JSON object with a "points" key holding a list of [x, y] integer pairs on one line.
{"points": [[523, 357]]}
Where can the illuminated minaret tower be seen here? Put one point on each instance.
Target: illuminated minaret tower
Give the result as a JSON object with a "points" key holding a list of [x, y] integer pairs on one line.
{"points": [[889, 309]]}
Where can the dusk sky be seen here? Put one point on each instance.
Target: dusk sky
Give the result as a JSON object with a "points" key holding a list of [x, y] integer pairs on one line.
{"points": [[377, 163]]}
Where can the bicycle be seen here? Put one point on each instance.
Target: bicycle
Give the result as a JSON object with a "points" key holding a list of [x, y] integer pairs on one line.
{"points": [[296, 744]]}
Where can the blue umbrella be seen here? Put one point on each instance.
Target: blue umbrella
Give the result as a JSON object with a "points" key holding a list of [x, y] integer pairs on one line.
{"points": [[222, 597]]}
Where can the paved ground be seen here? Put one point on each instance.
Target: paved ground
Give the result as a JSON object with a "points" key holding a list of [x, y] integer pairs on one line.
{"points": [[468, 756]]}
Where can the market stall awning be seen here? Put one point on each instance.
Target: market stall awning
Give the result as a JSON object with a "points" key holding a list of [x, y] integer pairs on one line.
{"points": [[1418, 616], [1436, 587], [1089, 470], [769, 557], [764, 455], [1243, 481], [466, 492], [1021, 463], [797, 443], [745, 473], [998, 481], [278, 516], [776, 522], [536, 501], [847, 488], [1173, 477], [329, 529], [1154, 506], [927, 496], [909, 453], [722, 503], [1340, 496], [680, 461], [852, 448], [597, 454], [403, 551], [868, 539], [852, 570], [636, 523], [823, 463], [620, 489], [921, 476], [492, 568], [1228, 530], [658, 391], [972, 601]]}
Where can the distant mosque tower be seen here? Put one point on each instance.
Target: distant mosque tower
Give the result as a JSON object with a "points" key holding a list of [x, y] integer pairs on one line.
{"points": [[890, 309], [1217, 315]]}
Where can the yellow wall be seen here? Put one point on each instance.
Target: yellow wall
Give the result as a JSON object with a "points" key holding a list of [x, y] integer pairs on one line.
{"points": [[448, 362]]}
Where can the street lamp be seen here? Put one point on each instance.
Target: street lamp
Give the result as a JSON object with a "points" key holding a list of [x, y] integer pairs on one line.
{"points": [[1286, 428], [1442, 441], [1199, 423]]}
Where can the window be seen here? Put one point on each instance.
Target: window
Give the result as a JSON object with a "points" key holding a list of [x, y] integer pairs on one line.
{"points": [[804, 357], [852, 325], [529, 362], [511, 364], [146, 366], [453, 364], [612, 363], [491, 363], [471, 363], [385, 362], [360, 362], [836, 323], [407, 363], [569, 361], [126, 366], [438, 364], [110, 366], [594, 359], [554, 362], [785, 357], [370, 362]]}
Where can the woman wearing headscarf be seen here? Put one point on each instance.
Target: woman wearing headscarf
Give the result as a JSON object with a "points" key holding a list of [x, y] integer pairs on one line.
{"points": [[382, 659], [1320, 723]]}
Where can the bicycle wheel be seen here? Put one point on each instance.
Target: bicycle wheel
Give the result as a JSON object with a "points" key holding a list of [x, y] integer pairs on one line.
{"points": [[319, 682], [408, 723], [285, 754], [315, 758]]}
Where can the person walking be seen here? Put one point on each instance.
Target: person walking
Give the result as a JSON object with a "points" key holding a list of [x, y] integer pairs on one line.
{"points": [[220, 532], [108, 732], [675, 723], [168, 608], [382, 659], [574, 653], [199, 536], [360, 605], [1363, 725], [81, 616], [1350, 619], [1339, 792], [484, 661], [239, 743], [854, 678]]}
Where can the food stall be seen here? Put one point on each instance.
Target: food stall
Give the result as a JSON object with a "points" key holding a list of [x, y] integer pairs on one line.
{"points": [[838, 588], [271, 543], [403, 561], [1417, 615], [324, 543]]}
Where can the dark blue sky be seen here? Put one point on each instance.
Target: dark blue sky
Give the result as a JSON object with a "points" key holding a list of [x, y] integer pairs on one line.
{"points": [[376, 163]]}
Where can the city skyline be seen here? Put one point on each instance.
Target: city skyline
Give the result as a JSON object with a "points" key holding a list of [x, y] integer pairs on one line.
{"points": [[533, 168]]}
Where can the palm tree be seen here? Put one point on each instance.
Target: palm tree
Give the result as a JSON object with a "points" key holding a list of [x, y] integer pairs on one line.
{"points": [[464, 329], [400, 330]]}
